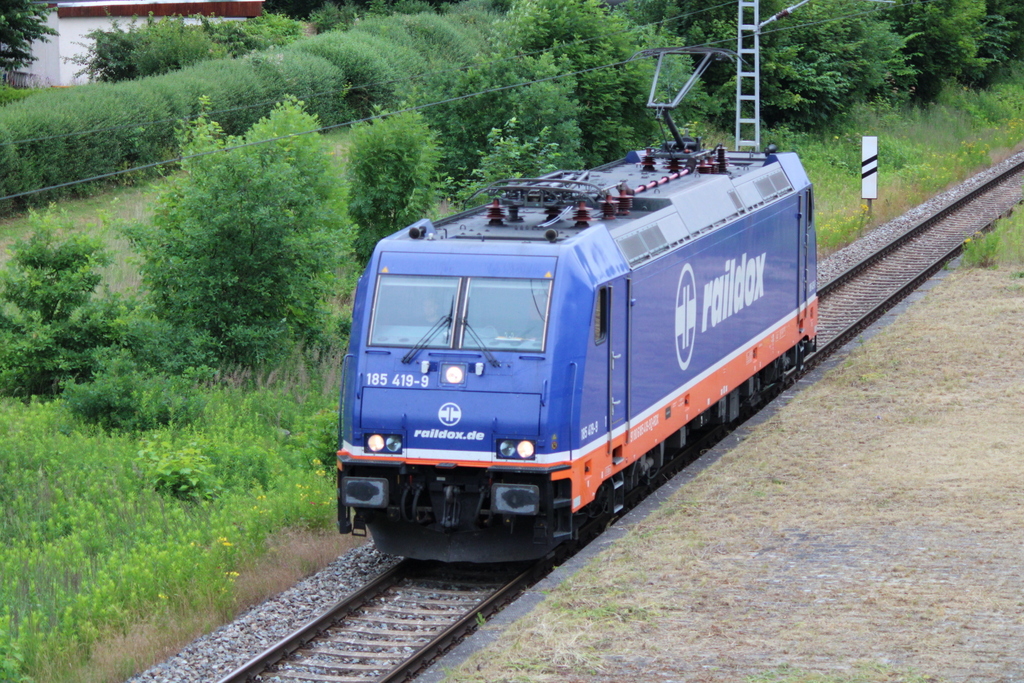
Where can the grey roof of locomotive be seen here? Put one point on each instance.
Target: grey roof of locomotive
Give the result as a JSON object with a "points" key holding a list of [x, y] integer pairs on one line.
{"points": [[669, 205]]}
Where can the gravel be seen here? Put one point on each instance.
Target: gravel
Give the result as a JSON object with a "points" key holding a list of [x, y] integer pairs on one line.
{"points": [[212, 656]]}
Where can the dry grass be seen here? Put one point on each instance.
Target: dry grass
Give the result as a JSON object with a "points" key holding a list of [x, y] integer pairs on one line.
{"points": [[98, 217], [292, 555], [871, 531]]}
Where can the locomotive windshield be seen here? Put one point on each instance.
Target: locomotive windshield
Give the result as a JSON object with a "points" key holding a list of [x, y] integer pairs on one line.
{"points": [[506, 314], [497, 313], [414, 309]]}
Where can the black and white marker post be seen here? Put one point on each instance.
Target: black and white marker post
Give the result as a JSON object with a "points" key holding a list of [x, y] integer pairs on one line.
{"points": [[869, 169]]}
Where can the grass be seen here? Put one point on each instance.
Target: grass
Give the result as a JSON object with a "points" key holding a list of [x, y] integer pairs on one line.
{"points": [[100, 214], [864, 673], [91, 551], [1003, 245], [291, 554]]}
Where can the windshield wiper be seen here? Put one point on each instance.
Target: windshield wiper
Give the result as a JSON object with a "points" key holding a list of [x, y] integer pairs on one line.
{"points": [[480, 342], [427, 338]]}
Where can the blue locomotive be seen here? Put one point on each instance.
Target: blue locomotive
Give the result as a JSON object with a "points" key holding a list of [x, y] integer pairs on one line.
{"points": [[516, 368]]}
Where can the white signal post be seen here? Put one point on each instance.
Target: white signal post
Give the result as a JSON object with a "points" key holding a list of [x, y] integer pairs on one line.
{"points": [[869, 169]]}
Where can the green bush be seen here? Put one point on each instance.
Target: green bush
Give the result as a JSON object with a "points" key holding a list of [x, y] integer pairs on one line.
{"points": [[1010, 234], [185, 473], [9, 94], [314, 441], [981, 250], [155, 47], [235, 94], [11, 661], [269, 29], [10, 167], [331, 16], [80, 133], [463, 126], [243, 248], [509, 156], [97, 129], [50, 326], [403, 62], [124, 395], [319, 84], [172, 44], [87, 544], [365, 64], [160, 46], [438, 39], [395, 152], [613, 100]]}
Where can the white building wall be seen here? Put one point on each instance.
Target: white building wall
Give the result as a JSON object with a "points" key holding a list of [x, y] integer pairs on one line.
{"points": [[45, 70], [53, 66]]}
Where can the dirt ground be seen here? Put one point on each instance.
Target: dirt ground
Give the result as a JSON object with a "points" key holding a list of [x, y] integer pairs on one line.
{"points": [[872, 530]]}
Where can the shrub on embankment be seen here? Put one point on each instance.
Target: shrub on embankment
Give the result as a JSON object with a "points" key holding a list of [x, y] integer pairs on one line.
{"points": [[65, 135]]}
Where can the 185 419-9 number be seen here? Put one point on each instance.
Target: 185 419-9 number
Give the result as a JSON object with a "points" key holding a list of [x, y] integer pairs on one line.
{"points": [[402, 379]]}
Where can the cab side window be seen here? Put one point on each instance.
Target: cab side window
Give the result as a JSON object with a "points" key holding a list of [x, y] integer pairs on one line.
{"points": [[601, 315]]}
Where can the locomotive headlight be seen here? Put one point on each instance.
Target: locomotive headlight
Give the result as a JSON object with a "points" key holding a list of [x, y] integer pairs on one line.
{"points": [[393, 443], [375, 442], [510, 449], [453, 373]]}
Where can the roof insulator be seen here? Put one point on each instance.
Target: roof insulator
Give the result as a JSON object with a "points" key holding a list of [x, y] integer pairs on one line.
{"points": [[609, 207], [582, 215], [495, 213]]}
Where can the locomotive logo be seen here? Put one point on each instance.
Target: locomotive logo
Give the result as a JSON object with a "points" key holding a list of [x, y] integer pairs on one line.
{"points": [[740, 285], [686, 316], [449, 414]]}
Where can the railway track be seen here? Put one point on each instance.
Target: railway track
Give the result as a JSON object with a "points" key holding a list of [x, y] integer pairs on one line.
{"points": [[392, 627], [396, 625]]}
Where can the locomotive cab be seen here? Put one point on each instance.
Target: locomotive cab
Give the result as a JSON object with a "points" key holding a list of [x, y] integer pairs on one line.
{"points": [[455, 448]]}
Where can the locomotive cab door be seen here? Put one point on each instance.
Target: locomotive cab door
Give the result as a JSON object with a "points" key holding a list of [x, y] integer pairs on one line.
{"points": [[618, 342], [804, 246]]}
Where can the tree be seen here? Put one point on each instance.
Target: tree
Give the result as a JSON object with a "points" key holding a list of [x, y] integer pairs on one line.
{"points": [[50, 325], [612, 99], [464, 125], [391, 172], [811, 76], [152, 48], [510, 156], [943, 42], [1002, 41], [242, 249], [21, 22]]}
